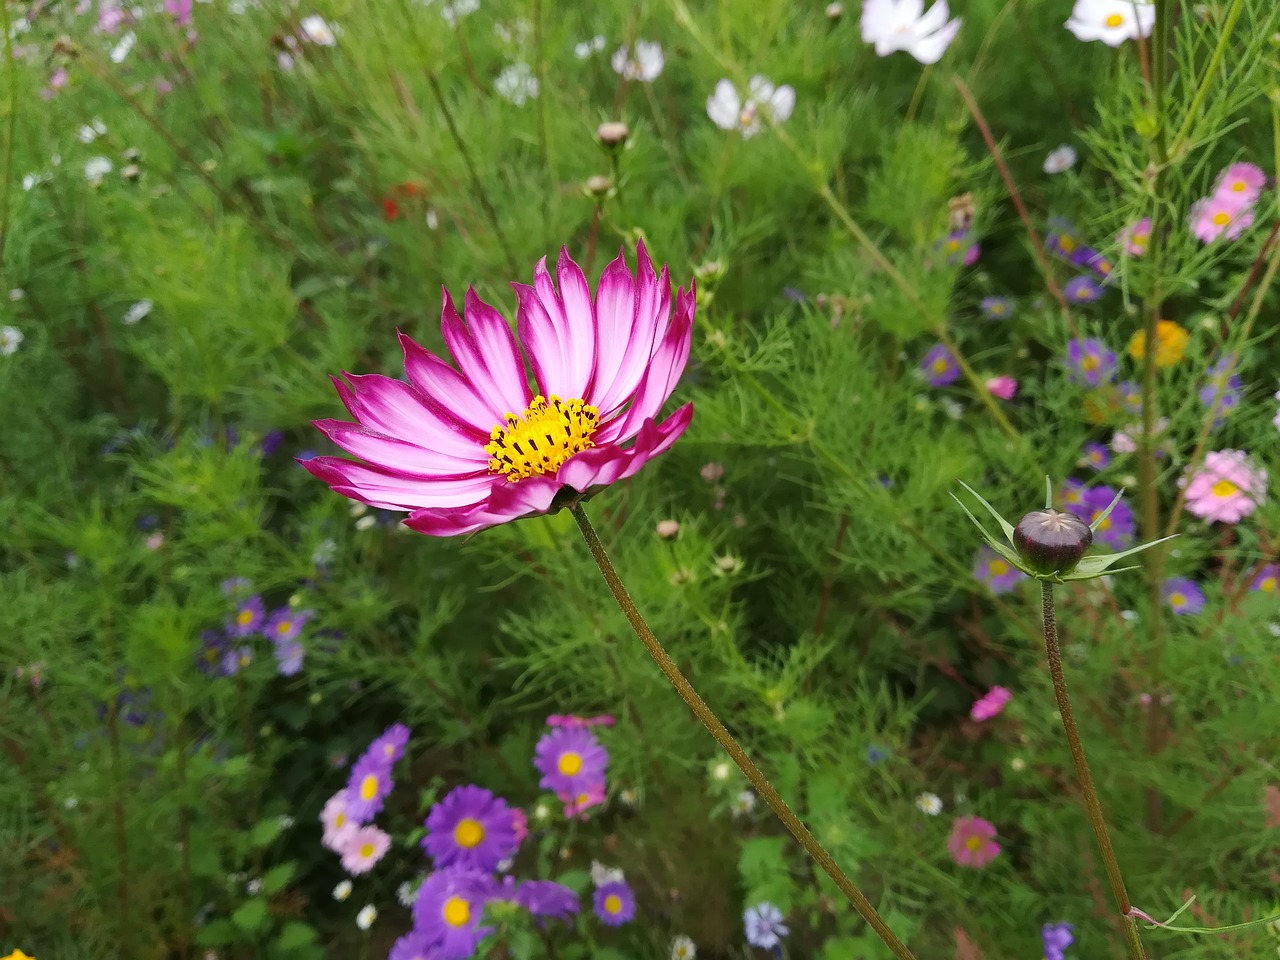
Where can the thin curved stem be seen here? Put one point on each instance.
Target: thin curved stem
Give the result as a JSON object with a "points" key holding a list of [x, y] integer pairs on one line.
{"points": [[1085, 778], [730, 745]]}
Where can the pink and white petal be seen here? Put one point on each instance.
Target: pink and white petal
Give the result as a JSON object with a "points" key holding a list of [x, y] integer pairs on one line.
{"points": [[445, 387], [541, 341], [580, 320], [507, 501], [603, 465], [394, 491], [615, 318], [652, 317], [395, 454], [396, 409], [485, 350]]}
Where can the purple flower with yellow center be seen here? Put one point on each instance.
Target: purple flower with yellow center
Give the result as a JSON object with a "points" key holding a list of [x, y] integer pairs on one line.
{"points": [[289, 656], [998, 574], [449, 908], [1182, 595], [1082, 289], [210, 659], [1061, 241], [1268, 579], [236, 586], [544, 898], [391, 743], [466, 447], [248, 617], [1057, 937], [286, 623], [235, 660], [940, 367], [1117, 530], [1130, 395], [470, 829], [1095, 456], [1222, 388], [997, 308], [367, 787], [960, 249], [1090, 362], [570, 760], [614, 903], [1071, 495]]}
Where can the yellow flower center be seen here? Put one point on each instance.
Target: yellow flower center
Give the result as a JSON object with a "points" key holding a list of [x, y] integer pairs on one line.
{"points": [[548, 433], [1105, 524], [953, 245], [974, 844], [1269, 585], [245, 618], [998, 568], [1067, 244], [340, 821], [940, 365], [1114, 20], [1225, 488], [457, 912], [1177, 600], [284, 627], [366, 850], [569, 763], [1237, 186], [1103, 267], [389, 750], [1089, 363], [613, 903], [747, 117], [1140, 239], [468, 833], [369, 787], [1221, 218]]}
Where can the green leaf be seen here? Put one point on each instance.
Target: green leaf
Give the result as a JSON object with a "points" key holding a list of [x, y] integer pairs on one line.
{"points": [[251, 915], [216, 934], [276, 878], [295, 935], [1091, 567], [1004, 524], [264, 832], [762, 858]]}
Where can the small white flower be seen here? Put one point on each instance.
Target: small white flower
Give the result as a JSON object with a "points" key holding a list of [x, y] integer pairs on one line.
{"points": [[1112, 21], [1017, 764], [893, 25], [324, 552], [586, 48], [253, 887], [342, 890], [744, 803], [600, 874], [16, 294], [721, 770], [366, 916], [366, 522], [358, 509], [1130, 615], [929, 803], [92, 131], [455, 11], [122, 49], [316, 29], [286, 821], [95, 168], [71, 802], [518, 34], [517, 84], [729, 111], [433, 221], [137, 312], [504, 866], [284, 61], [10, 340], [644, 64], [951, 408], [628, 797], [32, 180], [541, 811], [407, 892], [1060, 160], [682, 948]]}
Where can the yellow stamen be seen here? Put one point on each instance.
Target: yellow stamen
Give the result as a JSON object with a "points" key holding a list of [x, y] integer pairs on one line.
{"points": [[1177, 599], [1090, 363], [1269, 585], [1221, 218], [245, 618], [1067, 244], [1114, 20], [468, 833], [457, 912], [998, 568], [613, 903], [366, 850], [548, 433], [974, 844], [1224, 488], [369, 787], [569, 763]]}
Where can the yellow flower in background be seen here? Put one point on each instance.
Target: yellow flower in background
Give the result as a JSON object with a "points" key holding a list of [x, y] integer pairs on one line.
{"points": [[1171, 343], [17, 955]]}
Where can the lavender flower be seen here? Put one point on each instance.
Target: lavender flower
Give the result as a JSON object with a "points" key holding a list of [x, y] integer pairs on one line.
{"points": [[1117, 530], [1182, 595], [1095, 456], [940, 367], [1090, 362], [1082, 289], [999, 575], [764, 926]]}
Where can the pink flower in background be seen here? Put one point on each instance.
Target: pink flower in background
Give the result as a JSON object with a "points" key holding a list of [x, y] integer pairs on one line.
{"points": [[972, 842], [1217, 216], [180, 10], [362, 847], [1002, 387], [990, 704], [520, 821], [1243, 181], [1227, 488], [337, 822], [1135, 237], [576, 804], [111, 18]]}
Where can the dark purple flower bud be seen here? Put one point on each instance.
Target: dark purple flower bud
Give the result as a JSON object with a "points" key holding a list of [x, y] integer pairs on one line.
{"points": [[1050, 541]]}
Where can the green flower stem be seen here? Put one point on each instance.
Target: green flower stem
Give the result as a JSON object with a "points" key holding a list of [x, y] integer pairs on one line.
{"points": [[730, 745], [1085, 778]]}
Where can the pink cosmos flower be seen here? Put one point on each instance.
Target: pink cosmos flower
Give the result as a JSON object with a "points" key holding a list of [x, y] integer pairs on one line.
{"points": [[990, 704], [972, 842], [520, 821], [1227, 488], [361, 848], [1243, 181], [1002, 387], [180, 10], [576, 805], [461, 449], [1135, 237], [1219, 215]]}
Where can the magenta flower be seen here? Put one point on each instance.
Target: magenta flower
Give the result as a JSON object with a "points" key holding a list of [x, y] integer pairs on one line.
{"points": [[960, 249], [449, 909], [470, 828], [577, 804], [247, 618], [368, 786], [1243, 181], [1002, 387], [940, 367], [520, 824], [1220, 215], [1136, 237], [614, 903], [995, 571], [362, 847], [1268, 579], [990, 704], [569, 720], [391, 743], [1182, 595], [972, 842], [570, 760], [1090, 362], [1227, 488], [468, 448], [180, 10]]}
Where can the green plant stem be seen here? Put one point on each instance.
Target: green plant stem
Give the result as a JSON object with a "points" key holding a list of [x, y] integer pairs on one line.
{"points": [[1215, 61], [1085, 778], [730, 745]]}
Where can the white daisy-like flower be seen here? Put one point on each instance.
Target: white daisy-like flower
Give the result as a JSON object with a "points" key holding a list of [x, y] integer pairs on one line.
{"points": [[455, 11], [342, 890], [682, 948], [644, 63], [92, 131], [407, 892], [1112, 21], [721, 770], [929, 803], [744, 803], [1060, 159], [729, 111], [16, 294], [893, 25], [628, 797], [366, 916], [71, 802], [602, 875], [366, 522], [315, 29], [123, 48], [517, 84], [586, 48], [541, 811], [139, 311], [95, 168], [253, 887]]}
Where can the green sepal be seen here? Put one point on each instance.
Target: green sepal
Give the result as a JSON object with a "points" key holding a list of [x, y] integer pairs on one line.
{"points": [[1005, 525]]}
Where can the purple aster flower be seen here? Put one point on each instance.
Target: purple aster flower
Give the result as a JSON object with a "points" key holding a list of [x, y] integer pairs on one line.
{"points": [[391, 743], [1057, 937], [414, 945], [212, 654], [570, 759], [367, 788], [1061, 241], [286, 624], [959, 249], [289, 655], [236, 586], [1182, 595], [764, 926], [1096, 263], [248, 617], [470, 828], [235, 660], [614, 903], [940, 367], [1117, 530], [1071, 495], [1096, 456], [997, 308], [1222, 389], [271, 442], [1268, 579], [1082, 289], [543, 898], [449, 908], [1130, 395], [1090, 362], [997, 573]]}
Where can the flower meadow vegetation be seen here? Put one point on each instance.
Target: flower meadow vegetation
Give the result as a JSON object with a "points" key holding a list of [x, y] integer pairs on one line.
{"points": [[626, 611]]}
